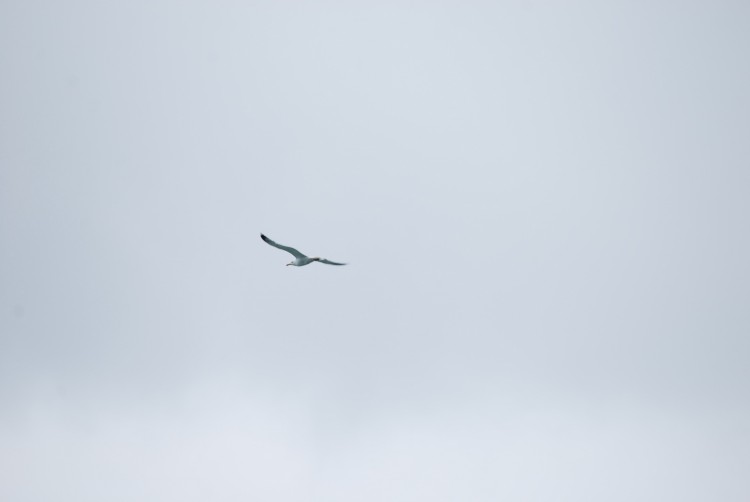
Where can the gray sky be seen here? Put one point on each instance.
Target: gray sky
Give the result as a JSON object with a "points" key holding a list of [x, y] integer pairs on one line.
{"points": [[544, 206]]}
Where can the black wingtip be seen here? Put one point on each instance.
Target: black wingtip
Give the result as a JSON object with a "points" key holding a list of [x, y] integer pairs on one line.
{"points": [[263, 237]]}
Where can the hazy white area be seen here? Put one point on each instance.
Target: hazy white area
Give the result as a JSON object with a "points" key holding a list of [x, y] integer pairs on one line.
{"points": [[544, 207]]}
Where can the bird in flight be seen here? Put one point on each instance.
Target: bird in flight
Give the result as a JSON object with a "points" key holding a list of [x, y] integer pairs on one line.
{"points": [[300, 260]]}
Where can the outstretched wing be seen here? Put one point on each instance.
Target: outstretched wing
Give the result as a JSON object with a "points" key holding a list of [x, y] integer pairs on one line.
{"points": [[293, 251], [329, 262]]}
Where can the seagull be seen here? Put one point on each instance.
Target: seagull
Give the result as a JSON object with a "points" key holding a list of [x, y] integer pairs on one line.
{"points": [[300, 260]]}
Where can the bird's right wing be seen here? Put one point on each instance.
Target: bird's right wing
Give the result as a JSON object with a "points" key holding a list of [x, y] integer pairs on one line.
{"points": [[293, 251], [329, 262]]}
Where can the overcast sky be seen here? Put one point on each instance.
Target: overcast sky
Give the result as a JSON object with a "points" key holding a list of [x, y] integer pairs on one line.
{"points": [[544, 207]]}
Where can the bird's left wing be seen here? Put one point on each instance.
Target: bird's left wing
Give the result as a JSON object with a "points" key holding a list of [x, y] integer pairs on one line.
{"points": [[293, 251]]}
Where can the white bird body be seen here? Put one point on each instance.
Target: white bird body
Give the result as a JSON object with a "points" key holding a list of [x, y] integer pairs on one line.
{"points": [[300, 260]]}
